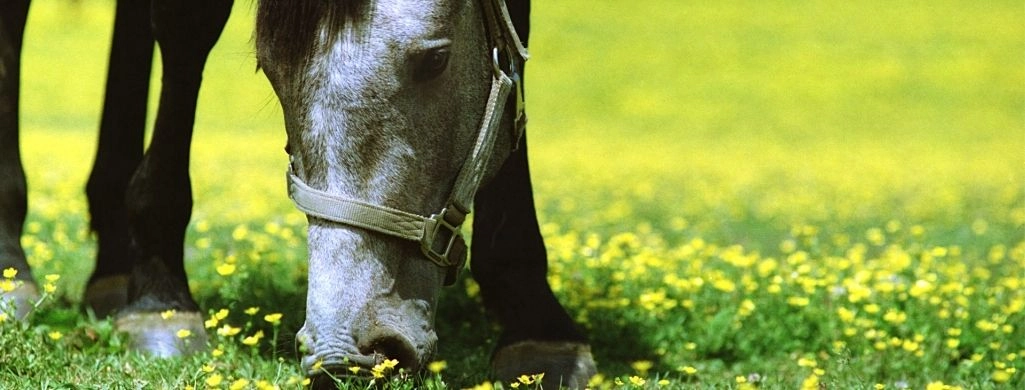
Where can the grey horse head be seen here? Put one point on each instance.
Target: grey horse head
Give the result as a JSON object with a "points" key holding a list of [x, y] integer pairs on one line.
{"points": [[382, 102]]}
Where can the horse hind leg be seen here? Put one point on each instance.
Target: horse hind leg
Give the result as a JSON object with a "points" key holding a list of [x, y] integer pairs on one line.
{"points": [[18, 290], [118, 153], [159, 195]]}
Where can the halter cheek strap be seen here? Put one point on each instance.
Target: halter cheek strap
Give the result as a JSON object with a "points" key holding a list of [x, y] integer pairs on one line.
{"points": [[440, 234]]}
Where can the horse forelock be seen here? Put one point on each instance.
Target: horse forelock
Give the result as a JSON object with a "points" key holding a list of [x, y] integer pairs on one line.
{"points": [[290, 28]]}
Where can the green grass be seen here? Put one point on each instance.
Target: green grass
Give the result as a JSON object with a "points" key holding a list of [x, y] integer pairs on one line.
{"points": [[725, 189]]}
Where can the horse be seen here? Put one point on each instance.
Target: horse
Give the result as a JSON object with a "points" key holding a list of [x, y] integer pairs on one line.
{"points": [[402, 118]]}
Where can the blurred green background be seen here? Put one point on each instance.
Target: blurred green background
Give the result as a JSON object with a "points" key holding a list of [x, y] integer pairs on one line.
{"points": [[730, 89]]}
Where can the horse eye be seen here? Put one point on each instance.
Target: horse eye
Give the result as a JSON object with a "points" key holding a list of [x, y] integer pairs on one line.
{"points": [[432, 64]]}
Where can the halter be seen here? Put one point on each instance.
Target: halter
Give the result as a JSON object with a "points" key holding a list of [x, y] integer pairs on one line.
{"points": [[440, 235]]}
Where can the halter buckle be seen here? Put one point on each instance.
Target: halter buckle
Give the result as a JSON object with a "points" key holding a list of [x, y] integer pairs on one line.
{"points": [[443, 242]]}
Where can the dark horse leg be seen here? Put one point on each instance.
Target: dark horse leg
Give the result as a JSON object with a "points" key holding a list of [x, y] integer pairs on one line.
{"points": [[13, 202], [510, 263], [159, 194], [118, 154]]}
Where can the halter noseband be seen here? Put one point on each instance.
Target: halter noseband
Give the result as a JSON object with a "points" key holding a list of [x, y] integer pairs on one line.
{"points": [[440, 235]]}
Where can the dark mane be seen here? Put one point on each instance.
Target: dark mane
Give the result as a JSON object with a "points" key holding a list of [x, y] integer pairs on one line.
{"points": [[289, 28]]}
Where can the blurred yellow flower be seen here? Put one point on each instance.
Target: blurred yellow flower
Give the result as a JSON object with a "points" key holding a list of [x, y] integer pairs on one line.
{"points": [[642, 366], [214, 380], [637, 381], [228, 330], [273, 318], [239, 384], [437, 366], [225, 269], [10, 273], [798, 301], [254, 339]]}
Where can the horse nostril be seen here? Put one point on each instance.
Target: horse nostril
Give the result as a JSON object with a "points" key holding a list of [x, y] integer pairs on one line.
{"points": [[393, 347]]}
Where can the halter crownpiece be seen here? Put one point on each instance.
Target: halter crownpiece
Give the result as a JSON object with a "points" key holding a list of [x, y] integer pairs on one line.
{"points": [[440, 235]]}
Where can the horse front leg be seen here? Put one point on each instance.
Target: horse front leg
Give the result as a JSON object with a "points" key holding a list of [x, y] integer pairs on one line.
{"points": [[118, 154], [20, 291], [510, 264], [159, 195]]}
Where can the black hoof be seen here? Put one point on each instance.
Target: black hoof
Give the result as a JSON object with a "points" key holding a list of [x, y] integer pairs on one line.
{"points": [[564, 364]]}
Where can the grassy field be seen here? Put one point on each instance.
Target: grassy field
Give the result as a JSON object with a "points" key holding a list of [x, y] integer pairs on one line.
{"points": [[736, 194]]}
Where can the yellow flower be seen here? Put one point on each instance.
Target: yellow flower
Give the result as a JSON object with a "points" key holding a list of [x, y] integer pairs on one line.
{"points": [[214, 380], [210, 323], [637, 381], [354, 370], [254, 339], [264, 385], [55, 335], [798, 301], [228, 330], [10, 273], [484, 386], [1001, 376], [525, 379], [437, 366], [689, 370], [167, 314], [895, 316], [252, 310], [221, 314], [273, 318], [810, 383], [207, 368], [3, 317], [642, 366], [50, 288], [953, 343], [52, 278], [225, 269], [846, 315], [183, 333], [217, 352], [909, 345], [239, 384], [746, 308], [240, 232], [7, 285]]}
